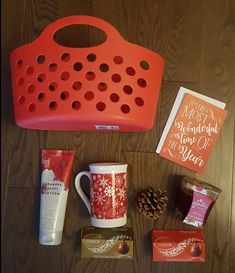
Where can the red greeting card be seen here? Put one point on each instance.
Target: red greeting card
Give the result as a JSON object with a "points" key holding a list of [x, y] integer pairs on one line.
{"points": [[191, 131]]}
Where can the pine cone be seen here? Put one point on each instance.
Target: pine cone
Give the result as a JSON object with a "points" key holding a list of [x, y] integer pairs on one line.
{"points": [[152, 204]]}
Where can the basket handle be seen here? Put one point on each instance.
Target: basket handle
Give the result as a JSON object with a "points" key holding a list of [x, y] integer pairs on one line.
{"points": [[108, 29]]}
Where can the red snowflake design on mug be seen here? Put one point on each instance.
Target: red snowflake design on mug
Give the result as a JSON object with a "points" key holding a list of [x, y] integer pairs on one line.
{"points": [[109, 195]]}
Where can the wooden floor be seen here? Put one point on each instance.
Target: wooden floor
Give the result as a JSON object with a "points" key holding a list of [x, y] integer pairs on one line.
{"points": [[197, 40]]}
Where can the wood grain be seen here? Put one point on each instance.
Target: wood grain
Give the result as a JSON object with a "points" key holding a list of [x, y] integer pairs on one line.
{"points": [[217, 79], [8, 43], [18, 242], [184, 32], [197, 41], [232, 221]]}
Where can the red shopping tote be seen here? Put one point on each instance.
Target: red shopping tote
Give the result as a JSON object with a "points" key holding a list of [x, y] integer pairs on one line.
{"points": [[112, 86]]}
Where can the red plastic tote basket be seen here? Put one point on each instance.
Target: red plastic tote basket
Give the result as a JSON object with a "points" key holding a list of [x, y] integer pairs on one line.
{"points": [[111, 86]]}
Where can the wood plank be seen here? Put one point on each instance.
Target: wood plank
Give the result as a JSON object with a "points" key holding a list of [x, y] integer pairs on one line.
{"points": [[101, 147], [219, 173], [217, 80], [184, 31], [18, 242], [232, 221], [10, 39]]}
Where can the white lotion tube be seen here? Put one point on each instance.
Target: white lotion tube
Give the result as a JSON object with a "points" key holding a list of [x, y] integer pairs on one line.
{"points": [[56, 172]]}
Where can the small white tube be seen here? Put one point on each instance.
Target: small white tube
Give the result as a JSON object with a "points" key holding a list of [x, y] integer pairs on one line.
{"points": [[56, 172]]}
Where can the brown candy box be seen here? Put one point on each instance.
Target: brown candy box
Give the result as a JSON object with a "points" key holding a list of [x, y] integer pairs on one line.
{"points": [[107, 242]]}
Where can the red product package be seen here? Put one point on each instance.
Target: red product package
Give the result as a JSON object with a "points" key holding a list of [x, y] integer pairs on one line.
{"points": [[178, 246]]}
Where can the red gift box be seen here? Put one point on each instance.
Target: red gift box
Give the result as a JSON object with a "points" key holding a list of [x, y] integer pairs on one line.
{"points": [[178, 246]]}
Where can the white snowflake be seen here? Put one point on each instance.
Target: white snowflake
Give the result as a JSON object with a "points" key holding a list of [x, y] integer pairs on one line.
{"points": [[99, 198], [109, 191], [122, 193], [103, 182], [118, 180], [94, 177]]}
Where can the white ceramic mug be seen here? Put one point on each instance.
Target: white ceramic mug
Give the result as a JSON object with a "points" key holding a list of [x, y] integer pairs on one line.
{"points": [[108, 196]]}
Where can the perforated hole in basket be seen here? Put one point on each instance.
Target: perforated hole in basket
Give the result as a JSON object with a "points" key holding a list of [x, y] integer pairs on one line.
{"points": [[118, 60], [41, 96], [89, 95], [116, 77], [77, 85], [52, 105], [91, 57], [31, 88], [130, 71], [139, 101], [77, 66], [31, 107], [100, 106], [41, 59], [128, 89], [20, 81], [65, 57], [144, 65], [125, 108], [53, 86], [142, 82], [104, 67], [19, 64], [41, 77], [76, 105], [29, 70], [114, 97], [65, 76], [64, 95], [21, 100], [53, 67], [90, 76], [102, 86]]}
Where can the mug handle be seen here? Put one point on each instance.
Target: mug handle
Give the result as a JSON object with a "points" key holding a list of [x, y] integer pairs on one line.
{"points": [[80, 191]]}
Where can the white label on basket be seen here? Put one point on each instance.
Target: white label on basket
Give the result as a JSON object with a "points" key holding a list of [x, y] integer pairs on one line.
{"points": [[106, 127]]}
